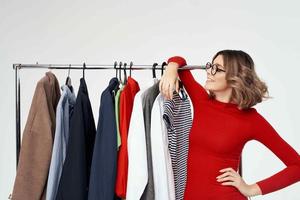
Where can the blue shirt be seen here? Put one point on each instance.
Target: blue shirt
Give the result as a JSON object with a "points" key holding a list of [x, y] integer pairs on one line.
{"points": [[63, 114]]}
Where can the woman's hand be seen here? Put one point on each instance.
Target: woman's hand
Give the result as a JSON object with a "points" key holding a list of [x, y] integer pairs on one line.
{"points": [[231, 178], [169, 80]]}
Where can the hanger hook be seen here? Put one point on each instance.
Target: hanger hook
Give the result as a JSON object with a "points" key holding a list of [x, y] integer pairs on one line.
{"points": [[162, 67], [69, 70], [125, 74], [153, 70], [130, 67], [115, 67], [83, 69], [120, 65]]}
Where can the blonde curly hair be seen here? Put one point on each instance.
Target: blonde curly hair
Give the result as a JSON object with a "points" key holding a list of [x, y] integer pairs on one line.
{"points": [[247, 88]]}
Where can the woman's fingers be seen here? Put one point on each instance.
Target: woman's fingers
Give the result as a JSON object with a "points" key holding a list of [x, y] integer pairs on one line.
{"points": [[166, 90], [177, 85], [164, 87], [228, 178], [170, 91], [168, 84], [225, 174], [229, 183], [229, 174], [160, 84], [231, 177], [227, 169]]}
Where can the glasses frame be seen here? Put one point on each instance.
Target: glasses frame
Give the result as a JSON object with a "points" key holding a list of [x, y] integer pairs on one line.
{"points": [[214, 68]]}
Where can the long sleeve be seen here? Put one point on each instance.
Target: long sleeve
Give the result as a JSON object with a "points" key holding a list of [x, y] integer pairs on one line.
{"points": [[193, 88], [137, 153], [267, 135], [75, 173], [37, 141], [104, 162], [163, 176], [63, 115]]}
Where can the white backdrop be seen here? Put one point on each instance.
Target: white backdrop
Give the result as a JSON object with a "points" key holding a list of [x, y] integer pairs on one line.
{"points": [[151, 31]]}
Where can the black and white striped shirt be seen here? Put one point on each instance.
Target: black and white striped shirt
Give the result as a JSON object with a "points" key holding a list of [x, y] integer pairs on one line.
{"points": [[178, 119]]}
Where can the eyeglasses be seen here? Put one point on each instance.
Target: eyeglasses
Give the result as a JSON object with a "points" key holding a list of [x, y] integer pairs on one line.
{"points": [[214, 68]]}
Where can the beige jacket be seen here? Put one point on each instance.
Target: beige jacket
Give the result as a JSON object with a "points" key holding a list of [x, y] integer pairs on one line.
{"points": [[37, 141]]}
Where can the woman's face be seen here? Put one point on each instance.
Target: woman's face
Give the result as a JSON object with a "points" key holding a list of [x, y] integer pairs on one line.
{"points": [[217, 82]]}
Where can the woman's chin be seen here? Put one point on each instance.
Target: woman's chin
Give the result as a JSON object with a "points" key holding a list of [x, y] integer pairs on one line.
{"points": [[207, 86]]}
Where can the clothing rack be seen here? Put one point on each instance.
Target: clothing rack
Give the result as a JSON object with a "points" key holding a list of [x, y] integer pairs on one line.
{"points": [[84, 66]]}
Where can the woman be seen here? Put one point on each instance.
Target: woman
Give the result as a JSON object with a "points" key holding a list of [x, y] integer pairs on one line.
{"points": [[224, 121]]}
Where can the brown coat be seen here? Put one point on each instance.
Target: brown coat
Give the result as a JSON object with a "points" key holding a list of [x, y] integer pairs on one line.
{"points": [[37, 141]]}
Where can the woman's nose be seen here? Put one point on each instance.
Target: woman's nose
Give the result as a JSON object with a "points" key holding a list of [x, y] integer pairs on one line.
{"points": [[208, 72]]}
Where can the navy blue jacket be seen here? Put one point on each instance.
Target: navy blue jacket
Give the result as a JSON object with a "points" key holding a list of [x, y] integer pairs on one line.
{"points": [[104, 164], [75, 175]]}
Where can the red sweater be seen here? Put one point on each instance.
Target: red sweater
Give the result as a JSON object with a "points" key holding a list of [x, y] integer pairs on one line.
{"points": [[126, 103], [217, 137]]}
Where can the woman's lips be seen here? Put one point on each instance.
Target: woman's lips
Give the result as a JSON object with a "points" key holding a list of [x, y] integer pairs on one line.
{"points": [[209, 80]]}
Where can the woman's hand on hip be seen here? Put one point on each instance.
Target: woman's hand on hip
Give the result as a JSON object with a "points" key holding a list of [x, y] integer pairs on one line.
{"points": [[231, 178]]}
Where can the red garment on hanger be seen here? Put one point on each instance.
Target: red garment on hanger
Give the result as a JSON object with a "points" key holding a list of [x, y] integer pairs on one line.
{"points": [[126, 103]]}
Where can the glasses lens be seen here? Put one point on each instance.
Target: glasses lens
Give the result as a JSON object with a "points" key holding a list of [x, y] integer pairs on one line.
{"points": [[214, 69], [207, 66]]}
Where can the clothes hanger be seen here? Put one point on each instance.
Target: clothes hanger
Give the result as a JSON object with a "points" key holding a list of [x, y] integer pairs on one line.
{"points": [[117, 86], [162, 67], [125, 74], [83, 70], [120, 78], [115, 67], [68, 80], [154, 70], [130, 67], [182, 94]]}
